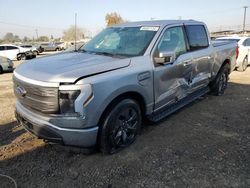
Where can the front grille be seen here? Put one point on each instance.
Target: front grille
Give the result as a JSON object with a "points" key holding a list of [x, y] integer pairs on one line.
{"points": [[39, 98]]}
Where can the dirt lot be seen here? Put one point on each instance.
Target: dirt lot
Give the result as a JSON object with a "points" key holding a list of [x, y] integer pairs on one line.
{"points": [[206, 144]]}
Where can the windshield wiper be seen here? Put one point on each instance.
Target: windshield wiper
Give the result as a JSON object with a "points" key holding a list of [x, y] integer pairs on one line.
{"points": [[105, 53]]}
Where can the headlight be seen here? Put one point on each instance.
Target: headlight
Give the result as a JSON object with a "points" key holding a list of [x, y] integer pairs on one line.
{"points": [[72, 98], [10, 62], [67, 101]]}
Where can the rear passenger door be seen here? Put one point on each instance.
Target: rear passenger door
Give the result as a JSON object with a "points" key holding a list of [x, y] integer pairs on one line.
{"points": [[201, 53], [11, 52]]}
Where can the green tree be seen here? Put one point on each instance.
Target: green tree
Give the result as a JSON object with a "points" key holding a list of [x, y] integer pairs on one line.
{"points": [[113, 18], [16, 38], [8, 37], [26, 39], [43, 39], [69, 34]]}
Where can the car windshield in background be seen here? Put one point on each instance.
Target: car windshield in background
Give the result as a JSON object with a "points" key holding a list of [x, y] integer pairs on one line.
{"points": [[233, 40], [122, 41]]}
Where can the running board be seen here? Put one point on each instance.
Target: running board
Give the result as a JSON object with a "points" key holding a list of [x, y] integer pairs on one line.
{"points": [[166, 111]]}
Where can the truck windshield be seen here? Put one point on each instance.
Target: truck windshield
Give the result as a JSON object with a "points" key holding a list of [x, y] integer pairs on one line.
{"points": [[121, 41]]}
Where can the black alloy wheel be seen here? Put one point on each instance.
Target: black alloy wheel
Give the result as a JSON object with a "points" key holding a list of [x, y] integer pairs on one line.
{"points": [[121, 126]]}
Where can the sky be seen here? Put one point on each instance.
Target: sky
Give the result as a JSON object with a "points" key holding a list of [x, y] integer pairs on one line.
{"points": [[51, 17]]}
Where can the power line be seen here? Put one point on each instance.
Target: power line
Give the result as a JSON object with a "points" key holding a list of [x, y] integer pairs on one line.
{"points": [[29, 26]]}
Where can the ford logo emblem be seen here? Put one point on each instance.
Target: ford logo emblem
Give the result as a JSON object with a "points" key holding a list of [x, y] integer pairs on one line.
{"points": [[21, 91]]}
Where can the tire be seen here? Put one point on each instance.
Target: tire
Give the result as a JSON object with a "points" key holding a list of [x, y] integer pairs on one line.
{"points": [[219, 85], [36, 53], [1, 70], [23, 57], [120, 126], [244, 64]]}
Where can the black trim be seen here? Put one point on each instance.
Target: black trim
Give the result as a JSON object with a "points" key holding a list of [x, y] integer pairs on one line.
{"points": [[166, 111], [43, 132]]}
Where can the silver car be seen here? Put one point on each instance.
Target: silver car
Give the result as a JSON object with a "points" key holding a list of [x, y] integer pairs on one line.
{"points": [[100, 94], [6, 65]]}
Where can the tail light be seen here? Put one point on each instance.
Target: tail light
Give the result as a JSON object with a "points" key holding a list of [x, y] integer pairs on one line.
{"points": [[237, 52]]}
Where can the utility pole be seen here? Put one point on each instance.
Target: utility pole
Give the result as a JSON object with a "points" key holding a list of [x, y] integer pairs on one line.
{"points": [[244, 20], [75, 29], [36, 34]]}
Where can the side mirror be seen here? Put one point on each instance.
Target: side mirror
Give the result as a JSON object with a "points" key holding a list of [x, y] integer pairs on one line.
{"points": [[165, 58]]}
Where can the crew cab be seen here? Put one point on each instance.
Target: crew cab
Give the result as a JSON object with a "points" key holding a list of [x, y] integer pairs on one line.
{"points": [[100, 94]]}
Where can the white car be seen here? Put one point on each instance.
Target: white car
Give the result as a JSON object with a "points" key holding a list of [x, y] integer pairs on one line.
{"points": [[30, 48], [243, 59], [13, 52]]}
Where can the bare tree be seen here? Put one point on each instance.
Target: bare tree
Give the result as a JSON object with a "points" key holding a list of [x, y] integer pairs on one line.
{"points": [[113, 18], [69, 34]]}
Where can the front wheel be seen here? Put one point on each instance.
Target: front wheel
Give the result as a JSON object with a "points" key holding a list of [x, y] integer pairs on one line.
{"points": [[219, 85], [120, 127]]}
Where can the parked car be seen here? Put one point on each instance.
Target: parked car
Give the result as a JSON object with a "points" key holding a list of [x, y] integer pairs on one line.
{"points": [[14, 52], [6, 65], [243, 59], [31, 48], [101, 93], [61, 45], [50, 47]]}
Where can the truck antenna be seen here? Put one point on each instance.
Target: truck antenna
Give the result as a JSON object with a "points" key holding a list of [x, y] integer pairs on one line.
{"points": [[75, 29]]}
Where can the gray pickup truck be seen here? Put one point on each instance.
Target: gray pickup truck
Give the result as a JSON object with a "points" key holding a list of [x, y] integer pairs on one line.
{"points": [[100, 94]]}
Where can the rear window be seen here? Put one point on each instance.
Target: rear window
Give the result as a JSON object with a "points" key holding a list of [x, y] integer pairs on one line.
{"points": [[197, 37]]}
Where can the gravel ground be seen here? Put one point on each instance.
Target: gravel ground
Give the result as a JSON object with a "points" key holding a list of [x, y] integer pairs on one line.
{"points": [[206, 144]]}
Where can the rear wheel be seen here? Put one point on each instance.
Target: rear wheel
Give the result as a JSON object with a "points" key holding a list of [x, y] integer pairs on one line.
{"points": [[1, 70], [23, 57], [219, 85], [35, 53], [244, 64], [120, 126]]}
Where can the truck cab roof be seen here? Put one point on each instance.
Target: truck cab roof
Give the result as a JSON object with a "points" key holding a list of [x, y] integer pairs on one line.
{"points": [[160, 23]]}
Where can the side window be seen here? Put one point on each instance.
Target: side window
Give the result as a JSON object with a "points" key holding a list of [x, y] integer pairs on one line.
{"points": [[197, 37], [248, 42], [1, 48], [173, 40], [11, 48]]}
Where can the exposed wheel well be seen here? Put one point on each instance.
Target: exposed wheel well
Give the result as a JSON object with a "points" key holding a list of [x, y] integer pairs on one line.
{"points": [[128, 95], [226, 62]]}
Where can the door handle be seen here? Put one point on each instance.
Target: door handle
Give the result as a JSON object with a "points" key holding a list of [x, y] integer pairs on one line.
{"points": [[187, 63]]}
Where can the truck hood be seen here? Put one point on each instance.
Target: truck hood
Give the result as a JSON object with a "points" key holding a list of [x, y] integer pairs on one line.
{"points": [[68, 67]]}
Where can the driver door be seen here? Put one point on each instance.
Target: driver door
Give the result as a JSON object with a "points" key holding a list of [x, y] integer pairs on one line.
{"points": [[172, 79]]}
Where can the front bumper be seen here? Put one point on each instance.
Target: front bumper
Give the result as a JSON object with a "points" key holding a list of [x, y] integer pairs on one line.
{"points": [[44, 129]]}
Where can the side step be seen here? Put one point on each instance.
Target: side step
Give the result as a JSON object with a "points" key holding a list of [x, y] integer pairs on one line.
{"points": [[162, 113]]}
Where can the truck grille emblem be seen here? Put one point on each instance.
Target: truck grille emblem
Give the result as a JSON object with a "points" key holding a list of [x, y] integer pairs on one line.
{"points": [[21, 91]]}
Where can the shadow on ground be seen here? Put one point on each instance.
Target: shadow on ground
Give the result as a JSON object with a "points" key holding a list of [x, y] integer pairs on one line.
{"points": [[9, 132], [206, 144]]}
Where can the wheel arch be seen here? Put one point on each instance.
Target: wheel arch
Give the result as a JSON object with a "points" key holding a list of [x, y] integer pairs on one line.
{"points": [[126, 95], [1, 69]]}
